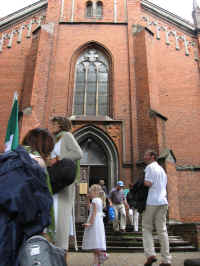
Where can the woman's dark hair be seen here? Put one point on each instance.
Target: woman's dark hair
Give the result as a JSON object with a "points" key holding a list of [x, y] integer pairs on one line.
{"points": [[64, 123], [40, 140]]}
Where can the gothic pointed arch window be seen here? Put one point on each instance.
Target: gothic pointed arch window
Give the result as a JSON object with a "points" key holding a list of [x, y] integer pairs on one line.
{"points": [[89, 9], [91, 90], [99, 9]]}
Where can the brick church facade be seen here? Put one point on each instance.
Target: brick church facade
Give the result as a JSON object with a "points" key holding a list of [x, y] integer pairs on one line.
{"points": [[126, 72]]}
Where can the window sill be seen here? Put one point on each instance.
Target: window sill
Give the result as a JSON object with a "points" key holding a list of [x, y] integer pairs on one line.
{"points": [[90, 118]]}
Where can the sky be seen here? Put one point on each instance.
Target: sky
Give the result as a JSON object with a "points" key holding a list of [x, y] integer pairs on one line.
{"points": [[182, 8]]}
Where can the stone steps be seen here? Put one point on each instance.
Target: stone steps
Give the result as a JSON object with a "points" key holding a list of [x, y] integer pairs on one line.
{"points": [[132, 241]]}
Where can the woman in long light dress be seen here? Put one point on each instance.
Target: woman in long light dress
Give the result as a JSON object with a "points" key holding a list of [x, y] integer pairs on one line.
{"points": [[66, 147], [94, 235]]}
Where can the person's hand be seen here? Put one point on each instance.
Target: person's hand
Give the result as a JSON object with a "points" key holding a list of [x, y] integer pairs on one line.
{"points": [[86, 225], [126, 206]]}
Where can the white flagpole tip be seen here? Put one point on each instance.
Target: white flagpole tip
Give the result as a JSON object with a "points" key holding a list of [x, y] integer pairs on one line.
{"points": [[16, 95]]}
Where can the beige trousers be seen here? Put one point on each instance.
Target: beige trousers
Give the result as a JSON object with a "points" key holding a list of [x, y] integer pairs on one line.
{"points": [[119, 208], [155, 215]]}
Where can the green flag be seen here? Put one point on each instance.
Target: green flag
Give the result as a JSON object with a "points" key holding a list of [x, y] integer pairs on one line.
{"points": [[12, 133]]}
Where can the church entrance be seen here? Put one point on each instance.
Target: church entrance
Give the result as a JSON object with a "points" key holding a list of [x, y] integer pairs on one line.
{"points": [[99, 161], [93, 168]]}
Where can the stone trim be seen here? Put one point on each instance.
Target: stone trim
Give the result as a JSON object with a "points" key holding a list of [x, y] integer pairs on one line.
{"points": [[155, 113], [93, 118], [168, 16], [176, 37], [188, 167], [18, 31], [13, 18], [94, 22]]}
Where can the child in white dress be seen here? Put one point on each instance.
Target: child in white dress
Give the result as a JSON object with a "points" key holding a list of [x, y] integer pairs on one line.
{"points": [[94, 234]]}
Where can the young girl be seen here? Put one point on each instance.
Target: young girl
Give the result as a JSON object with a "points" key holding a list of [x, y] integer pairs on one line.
{"points": [[94, 234]]}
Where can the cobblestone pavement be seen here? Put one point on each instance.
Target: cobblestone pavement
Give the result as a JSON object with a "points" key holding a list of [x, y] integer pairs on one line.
{"points": [[128, 259]]}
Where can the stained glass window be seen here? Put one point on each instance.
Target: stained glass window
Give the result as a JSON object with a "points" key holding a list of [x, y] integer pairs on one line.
{"points": [[91, 84]]}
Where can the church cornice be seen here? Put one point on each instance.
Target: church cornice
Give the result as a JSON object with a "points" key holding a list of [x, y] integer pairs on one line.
{"points": [[93, 22], [22, 14], [168, 16]]}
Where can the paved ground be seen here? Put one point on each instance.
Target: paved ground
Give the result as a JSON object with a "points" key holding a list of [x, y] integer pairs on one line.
{"points": [[128, 259]]}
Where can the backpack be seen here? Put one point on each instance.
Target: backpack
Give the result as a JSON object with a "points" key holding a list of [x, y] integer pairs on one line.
{"points": [[138, 196], [25, 202], [62, 173], [37, 250]]}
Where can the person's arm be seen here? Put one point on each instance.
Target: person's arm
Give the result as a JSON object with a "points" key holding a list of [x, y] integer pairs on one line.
{"points": [[110, 198], [93, 215], [125, 203], [72, 147], [148, 182]]}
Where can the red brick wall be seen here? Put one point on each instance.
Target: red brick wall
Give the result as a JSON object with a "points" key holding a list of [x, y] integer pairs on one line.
{"points": [[189, 195], [173, 192], [146, 125], [13, 66], [177, 81], [78, 13]]}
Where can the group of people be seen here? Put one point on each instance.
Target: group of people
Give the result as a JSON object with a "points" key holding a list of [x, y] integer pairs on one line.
{"points": [[155, 211], [47, 148], [154, 214]]}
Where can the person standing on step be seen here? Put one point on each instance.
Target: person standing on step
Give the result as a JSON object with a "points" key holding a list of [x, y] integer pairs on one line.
{"points": [[118, 201], [66, 147], [106, 203], [103, 186], [94, 234], [133, 213], [155, 211]]}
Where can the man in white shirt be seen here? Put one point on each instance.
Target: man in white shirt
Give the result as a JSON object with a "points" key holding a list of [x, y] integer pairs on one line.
{"points": [[156, 211]]}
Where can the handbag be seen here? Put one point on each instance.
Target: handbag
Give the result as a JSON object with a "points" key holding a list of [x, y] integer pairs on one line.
{"points": [[62, 173], [111, 213]]}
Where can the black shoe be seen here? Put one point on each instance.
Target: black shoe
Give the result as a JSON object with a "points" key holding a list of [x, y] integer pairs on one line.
{"points": [[150, 261]]}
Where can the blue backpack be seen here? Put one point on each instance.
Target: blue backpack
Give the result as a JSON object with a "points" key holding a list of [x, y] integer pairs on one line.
{"points": [[111, 213]]}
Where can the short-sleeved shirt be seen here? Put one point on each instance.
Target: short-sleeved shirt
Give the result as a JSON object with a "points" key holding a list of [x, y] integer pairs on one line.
{"points": [[157, 194], [117, 196]]}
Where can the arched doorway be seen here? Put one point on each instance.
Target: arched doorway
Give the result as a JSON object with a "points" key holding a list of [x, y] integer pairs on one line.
{"points": [[100, 160], [95, 158]]}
